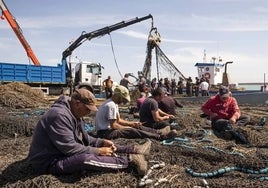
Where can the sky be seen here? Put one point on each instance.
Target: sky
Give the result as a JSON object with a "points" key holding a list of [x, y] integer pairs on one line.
{"points": [[233, 30]]}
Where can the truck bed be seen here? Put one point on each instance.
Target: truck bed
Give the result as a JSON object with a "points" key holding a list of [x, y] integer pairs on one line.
{"points": [[32, 74]]}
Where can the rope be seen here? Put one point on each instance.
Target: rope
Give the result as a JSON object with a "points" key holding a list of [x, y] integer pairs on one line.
{"points": [[179, 141], [111, 41], [219, 150], [225, 170], [262, 178], [146, 181]]}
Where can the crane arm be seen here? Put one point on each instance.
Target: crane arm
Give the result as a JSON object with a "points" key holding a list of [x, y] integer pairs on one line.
{"points": [[16, 28], [100, 32]]}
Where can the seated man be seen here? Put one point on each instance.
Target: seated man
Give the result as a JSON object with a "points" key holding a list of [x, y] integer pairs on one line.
{"points": [[60, 144], [152, 115], [110, 125], [138, 104], [140, 100], [224, 113], [168, 104]]}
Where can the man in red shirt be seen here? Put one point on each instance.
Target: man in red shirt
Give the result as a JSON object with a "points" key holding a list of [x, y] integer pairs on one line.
{"points": [[223, 111]]}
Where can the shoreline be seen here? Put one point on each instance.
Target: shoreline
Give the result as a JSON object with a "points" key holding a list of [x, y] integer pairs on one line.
{"points": [[254, 98]]}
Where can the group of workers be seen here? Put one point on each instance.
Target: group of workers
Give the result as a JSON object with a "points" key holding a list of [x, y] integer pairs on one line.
{"points": [[60, 144]]}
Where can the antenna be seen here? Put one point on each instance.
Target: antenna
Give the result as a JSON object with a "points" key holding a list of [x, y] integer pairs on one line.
{"points": [[205, 56]]}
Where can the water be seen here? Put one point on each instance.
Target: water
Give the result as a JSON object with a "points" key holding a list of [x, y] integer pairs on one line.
{"points": [[251, 87]]}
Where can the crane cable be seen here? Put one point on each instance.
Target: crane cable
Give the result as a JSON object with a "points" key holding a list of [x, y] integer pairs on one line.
{"points": [[111, 41]]}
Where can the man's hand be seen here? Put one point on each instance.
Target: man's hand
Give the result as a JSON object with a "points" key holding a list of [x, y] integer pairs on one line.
{"points": [[213, 115], [110, 144], [232, 120], [105, 151], [136, 124], [168, 116], [171, 116]]}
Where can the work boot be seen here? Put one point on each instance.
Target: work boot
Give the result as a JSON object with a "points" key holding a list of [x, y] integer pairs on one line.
{"points": [[164, 131], [172, 134], [144, 148], [139, 162], [227, 135], [239, 137]]}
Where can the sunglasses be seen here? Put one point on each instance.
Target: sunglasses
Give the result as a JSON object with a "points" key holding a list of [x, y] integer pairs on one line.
{"points": [[224, 98]]}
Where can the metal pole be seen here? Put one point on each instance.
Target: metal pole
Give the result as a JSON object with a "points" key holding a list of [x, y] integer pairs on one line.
{"points": [[264, 84], [157, 65]]}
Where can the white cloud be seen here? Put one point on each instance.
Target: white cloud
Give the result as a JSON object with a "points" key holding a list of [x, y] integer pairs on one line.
{"points": [[134, 34]]}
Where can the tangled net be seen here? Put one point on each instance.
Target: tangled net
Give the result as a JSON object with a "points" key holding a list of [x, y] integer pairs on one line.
{"points": [[198, 149], [19, 95]]}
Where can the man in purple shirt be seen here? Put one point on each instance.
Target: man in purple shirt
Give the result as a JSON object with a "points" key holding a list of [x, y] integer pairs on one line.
{"points": [[60, 145]]}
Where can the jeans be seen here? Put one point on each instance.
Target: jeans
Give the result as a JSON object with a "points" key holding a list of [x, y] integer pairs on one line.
{"points": [[222, 124]]}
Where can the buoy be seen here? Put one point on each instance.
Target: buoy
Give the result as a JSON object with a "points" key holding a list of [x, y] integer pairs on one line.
{"points": [[207, 75]]}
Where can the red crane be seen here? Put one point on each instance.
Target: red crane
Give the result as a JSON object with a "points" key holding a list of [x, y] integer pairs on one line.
{"points": [[16, 28]]}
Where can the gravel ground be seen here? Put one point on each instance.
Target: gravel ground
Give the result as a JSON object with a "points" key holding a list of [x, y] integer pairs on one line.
{"points": [[197, 150]]}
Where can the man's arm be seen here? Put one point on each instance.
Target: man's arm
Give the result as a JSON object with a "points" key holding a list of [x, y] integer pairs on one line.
{"points": [[120, 123], [235, 109], [159, 115], [206, 108], [61, 133]]}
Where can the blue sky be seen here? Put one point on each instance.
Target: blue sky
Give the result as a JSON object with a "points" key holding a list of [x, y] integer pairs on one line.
{"points": [[235, 30]]}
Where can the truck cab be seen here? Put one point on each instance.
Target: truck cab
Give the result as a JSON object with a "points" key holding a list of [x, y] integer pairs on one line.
{"points": [[88, 73]]}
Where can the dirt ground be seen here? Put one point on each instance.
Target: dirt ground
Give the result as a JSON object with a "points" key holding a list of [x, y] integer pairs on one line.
{"points": [[197, 158]]}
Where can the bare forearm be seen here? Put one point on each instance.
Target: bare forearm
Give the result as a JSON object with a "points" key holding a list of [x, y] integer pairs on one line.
{"points": [[119, 126]]}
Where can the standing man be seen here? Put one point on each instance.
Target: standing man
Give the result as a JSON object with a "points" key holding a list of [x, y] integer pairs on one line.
{"points": [[180, 86], [204, 87], [110, 125], [108, 83], [60, 144], [224, 113], [124, 81], [152, 115], [196, 86], [189, 87]]}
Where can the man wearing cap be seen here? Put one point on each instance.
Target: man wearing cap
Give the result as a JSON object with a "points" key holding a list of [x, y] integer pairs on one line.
{"points": [[110, 125], [223, 111], [60, 144]]}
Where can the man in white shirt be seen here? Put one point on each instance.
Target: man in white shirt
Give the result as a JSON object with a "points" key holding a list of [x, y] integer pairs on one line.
{"points": [[204, 86]]}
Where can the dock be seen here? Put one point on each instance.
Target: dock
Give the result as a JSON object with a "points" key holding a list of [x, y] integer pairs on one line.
{"points": [[254, 98]]}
